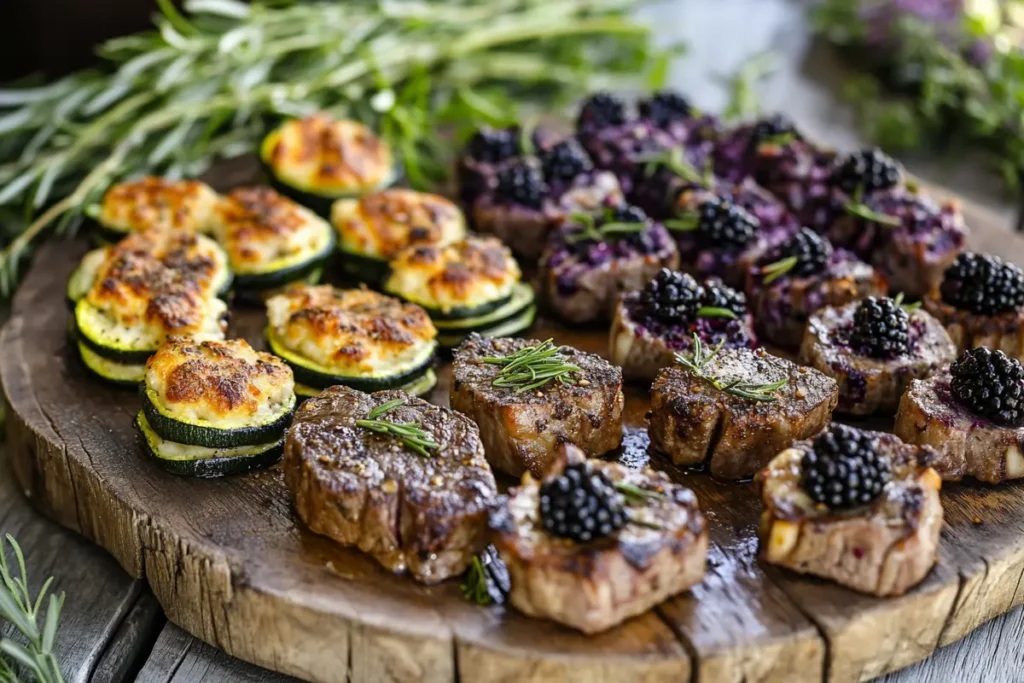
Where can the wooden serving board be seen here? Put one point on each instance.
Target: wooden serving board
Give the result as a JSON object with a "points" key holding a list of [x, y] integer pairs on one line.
{"points": [[230, 562]]}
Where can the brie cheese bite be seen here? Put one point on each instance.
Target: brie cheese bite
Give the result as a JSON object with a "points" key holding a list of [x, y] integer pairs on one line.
{"points": [[270, 240], [355, 337], [317, 159], [215, 407], [150, 286], [153, 202], [374, 228]]}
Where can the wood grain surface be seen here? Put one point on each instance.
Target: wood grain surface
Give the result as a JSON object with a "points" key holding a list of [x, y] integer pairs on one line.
{"points": [[230, 563]]}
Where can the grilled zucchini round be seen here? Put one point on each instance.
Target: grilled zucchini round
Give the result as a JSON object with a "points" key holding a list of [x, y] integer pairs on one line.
{"points": [[153, 202], [197, 461]]}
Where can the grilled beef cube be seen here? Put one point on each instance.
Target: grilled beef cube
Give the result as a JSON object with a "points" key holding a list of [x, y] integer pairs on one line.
{"points": [[594, 585], [883, 547], [969, 445], [522, 430], [871, 380], [425, 515], [696, 418], [1004, 331]]}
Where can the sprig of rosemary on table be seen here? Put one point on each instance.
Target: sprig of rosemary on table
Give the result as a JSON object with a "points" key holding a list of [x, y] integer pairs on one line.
{"points": [[532, 367], [24, 612], [410, 434], [698, 360]]}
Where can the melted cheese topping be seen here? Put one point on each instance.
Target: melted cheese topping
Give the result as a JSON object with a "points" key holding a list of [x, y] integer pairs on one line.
{"points": [[264, 232], [225, 383], [153, 202], [383, 223], [332, 158], [469, 273], [154, 284], [352, 332]]}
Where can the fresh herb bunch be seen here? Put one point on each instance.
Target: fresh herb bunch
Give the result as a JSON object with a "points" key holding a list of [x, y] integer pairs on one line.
{"points": [[532, 367], [34, 657], [410, 434], [952, 74], [206, 83], [698, 361]]}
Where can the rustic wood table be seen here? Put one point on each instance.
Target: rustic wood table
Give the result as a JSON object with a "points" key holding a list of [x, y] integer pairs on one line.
{"points": [[113, 629]]}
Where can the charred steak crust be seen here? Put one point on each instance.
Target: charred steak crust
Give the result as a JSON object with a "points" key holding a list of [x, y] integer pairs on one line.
{"points": [[968, 445], [883, 548], [1003, 332], [693, 422], [596, 585], [521, 432], [869, 385], [427, 516]]}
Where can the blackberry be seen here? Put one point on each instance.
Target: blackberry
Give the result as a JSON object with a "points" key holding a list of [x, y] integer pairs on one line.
{"points": [[843, 469], [523, 184], [665, 107], [625, 213], [601, 110], [812, 252], [867, 170], [990, 384], [722, 223], [983, 284], [881, 328], [492, 145], [717, 295], [581, 504], [672, 297], [565, 161], [771, 127]]}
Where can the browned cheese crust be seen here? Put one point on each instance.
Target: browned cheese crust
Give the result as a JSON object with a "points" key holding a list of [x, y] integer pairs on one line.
{"points": [[381, 224], [155, 202]]}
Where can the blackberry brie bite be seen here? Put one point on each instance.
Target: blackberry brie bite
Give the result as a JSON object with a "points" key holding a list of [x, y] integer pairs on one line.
{"points": [[375, 227], [653, 324], [972, 413], [873, 348], [801, 275], [317, 159], [734, 409], [212, 408], [472, 285], [751, 149], [150, 286], [486, 152], [271, 241], [593, 543], [153, 202], [353, 337], [859, 508], [587, 264], [981, 303]]}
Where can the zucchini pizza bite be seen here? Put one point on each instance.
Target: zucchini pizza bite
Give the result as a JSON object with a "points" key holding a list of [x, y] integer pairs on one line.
{"points": [[317, 159], [981, 303], [270, 240], [150, 286], [651, 325], [354, 337], [374, 228], [211, 408], [472, 285], [153, 202]]}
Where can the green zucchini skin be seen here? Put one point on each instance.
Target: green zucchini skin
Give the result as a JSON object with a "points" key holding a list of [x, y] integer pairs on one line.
{"points": [[171, 429], [522, 298], [420, 386], [321, 204], [257, 282], [213, 467], [368, 269], [119, 382], [117, 355], [508, 327], [459, 311]]}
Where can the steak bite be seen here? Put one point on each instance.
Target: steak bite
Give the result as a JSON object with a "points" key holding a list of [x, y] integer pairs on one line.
{"points": [[981, 303], [972, 414], [425, 514], [860, 508], [874, 348], [800, 276], [522, 427], [595, 543], [652, 325], [736, 408]]}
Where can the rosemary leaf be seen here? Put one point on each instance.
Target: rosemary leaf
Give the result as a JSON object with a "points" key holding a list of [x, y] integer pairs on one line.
{"points": [[410, 434], [686, 222], [533, 367], [773, 271], [637, 494], [715, 312], [862, 210]]}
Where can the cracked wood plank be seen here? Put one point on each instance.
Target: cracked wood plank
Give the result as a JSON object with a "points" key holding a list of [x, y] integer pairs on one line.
{"points": [[177, 657]]}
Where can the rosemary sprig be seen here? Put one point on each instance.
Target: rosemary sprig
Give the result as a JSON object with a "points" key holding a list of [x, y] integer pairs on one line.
{"points": [[635, 494], [675, 162], [857, 207], [474, 584], [532, 367], [913, 306], [698, 360], [779, 139], [773, 271], [687, 221], [486, 580], [601, 233], [23, 612], [410, 434], [715, 312]]}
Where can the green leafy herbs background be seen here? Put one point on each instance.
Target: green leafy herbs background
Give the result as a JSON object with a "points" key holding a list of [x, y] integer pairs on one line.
{"points": [[209, 81]]}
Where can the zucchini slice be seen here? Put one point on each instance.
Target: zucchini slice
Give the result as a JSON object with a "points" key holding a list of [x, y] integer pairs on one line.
{"points": [[509, 327], [287, 271], [197, 461], [89, 324], [209, 435], [116, 373], [316, 376], [419, 386], [361, 268], [458, 312], [522, 298]]}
